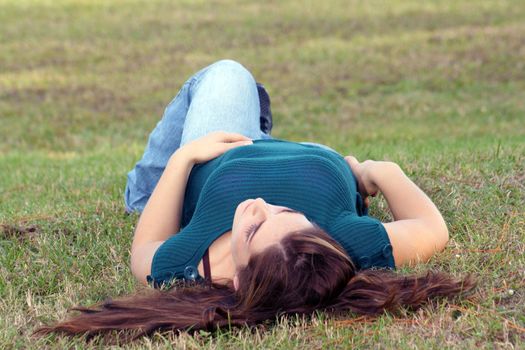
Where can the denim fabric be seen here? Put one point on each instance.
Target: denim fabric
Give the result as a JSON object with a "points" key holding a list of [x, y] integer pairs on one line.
{"points": [[223, 96]]}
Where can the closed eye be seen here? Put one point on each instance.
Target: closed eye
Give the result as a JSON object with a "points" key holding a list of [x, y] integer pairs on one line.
{"points": [[256, 227]]}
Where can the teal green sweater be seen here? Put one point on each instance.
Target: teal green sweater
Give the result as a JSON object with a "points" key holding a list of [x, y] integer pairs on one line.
{"points": [[307, 178]]}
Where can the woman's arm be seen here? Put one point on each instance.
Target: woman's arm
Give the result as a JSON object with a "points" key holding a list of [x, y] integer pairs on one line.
{"points": [[162, 214], [418, 229]]}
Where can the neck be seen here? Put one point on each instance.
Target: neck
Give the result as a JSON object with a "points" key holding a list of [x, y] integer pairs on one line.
{"points": [[221, 262]]}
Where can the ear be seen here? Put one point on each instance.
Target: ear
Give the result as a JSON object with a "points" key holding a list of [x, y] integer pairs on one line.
{"points": [[236, 282]]}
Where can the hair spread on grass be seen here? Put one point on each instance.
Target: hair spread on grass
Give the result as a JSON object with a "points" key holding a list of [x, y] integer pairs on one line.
{"points": [[307, 272]]}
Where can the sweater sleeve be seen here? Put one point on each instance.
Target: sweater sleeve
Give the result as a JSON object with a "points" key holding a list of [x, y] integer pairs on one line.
{"points": [[364, 239], [179, 256], [174, 257]]}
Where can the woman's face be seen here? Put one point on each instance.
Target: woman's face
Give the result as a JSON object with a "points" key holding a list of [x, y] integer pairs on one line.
{"points": [[257, 225]]}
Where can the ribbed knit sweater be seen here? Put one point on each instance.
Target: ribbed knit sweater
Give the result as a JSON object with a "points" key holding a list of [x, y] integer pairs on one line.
{"points": [[313, 180]]}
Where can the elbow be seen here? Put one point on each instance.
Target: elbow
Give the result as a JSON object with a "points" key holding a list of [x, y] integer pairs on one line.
{"points": [[137, 267], [134, 266], [142, 259], [442, 236]]}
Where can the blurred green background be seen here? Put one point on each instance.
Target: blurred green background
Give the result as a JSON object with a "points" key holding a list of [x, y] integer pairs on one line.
{"points": [[437, 86]]}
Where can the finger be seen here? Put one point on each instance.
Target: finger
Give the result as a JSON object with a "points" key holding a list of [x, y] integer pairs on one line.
{"points": [[232, 137], [367, 202], [231, 145], [351, 160], [353, 163], [242, 142]]}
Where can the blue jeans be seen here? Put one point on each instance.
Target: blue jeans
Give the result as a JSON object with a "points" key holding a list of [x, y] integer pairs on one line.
{"points": [[222, 96]]}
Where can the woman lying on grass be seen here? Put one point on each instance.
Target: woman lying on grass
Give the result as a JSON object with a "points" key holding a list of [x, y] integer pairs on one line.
{"points": [[251, 227]]}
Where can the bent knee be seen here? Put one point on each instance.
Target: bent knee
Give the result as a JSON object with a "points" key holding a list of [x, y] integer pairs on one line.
{"points": [[230, 68], [227, 63]]}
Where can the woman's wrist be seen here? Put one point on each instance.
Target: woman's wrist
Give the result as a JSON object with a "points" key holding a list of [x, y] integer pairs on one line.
{"points": [[181, 158]]}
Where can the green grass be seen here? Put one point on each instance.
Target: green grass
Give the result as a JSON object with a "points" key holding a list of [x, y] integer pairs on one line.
{"points": [[435, 86]]}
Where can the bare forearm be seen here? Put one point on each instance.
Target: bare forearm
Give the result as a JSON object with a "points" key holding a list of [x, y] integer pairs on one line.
{"points": [[405, 199], [418, 230], [162, 215]]}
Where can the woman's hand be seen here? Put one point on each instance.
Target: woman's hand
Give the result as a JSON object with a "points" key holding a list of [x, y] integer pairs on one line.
{"points": [[211, 146], [362, 172]]}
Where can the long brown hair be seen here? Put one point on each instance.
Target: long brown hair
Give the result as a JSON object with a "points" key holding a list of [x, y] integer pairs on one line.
{"points": [[307, 271]]}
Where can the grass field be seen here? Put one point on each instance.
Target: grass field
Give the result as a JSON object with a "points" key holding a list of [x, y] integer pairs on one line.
{"points": [[436, 86]]}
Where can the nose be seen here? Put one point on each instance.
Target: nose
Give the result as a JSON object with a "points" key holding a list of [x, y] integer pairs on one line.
{"points": [[259, 205], [260, 201]]}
